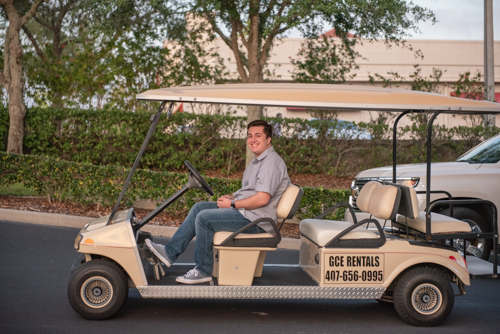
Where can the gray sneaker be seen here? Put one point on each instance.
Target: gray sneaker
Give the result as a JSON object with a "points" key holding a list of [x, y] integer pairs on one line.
{"points": [[159, 251], [192, 277]]}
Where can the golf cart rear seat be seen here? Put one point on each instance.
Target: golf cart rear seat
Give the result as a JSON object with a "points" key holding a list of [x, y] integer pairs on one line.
{"points": [[408, 215], [380, 201], [239, 257]]}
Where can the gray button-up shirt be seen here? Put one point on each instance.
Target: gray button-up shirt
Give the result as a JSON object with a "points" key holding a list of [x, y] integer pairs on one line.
{"points": [[267, 173]]}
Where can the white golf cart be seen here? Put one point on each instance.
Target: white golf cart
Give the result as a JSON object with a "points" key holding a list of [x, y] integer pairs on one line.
{"points": [[408, 259]]}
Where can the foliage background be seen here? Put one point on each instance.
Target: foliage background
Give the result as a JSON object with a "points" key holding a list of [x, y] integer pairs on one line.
{"points": [[86, 183], [215, 142]]}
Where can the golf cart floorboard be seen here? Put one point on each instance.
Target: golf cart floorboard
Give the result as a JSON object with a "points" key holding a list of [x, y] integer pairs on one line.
{"points": [[479, 268], [277, 282]]}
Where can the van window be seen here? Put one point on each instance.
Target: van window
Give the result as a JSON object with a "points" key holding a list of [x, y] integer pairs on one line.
{"points": [[487, 152]]}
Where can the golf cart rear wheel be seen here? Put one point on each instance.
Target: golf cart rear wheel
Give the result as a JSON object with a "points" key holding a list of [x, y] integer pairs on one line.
{"points": [[423, 297], [97, 289]]}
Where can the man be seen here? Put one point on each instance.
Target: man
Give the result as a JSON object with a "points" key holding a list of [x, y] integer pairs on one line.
{"points": [[264, 181]]}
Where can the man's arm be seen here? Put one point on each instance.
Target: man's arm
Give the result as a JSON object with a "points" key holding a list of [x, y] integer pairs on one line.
{"points": [[258, 200]]}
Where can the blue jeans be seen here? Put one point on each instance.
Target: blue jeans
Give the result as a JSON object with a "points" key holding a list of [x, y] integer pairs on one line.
{"points": [[203, 220]]}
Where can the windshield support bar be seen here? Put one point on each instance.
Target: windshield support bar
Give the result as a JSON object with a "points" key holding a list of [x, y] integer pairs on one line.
{"points": [[159, 209], [428, 173], [154, 121], [394, 141]]}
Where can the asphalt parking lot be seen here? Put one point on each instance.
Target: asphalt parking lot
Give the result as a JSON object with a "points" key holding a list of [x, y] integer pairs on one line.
{"points": [[35, 262]]}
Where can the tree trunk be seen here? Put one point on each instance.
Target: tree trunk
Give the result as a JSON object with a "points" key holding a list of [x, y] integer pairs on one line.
{"points": [[12, 76], [255, 74], [17, 110]]}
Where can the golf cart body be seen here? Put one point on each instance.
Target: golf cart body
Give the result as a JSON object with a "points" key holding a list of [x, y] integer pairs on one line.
{"points": [[405, 259]]}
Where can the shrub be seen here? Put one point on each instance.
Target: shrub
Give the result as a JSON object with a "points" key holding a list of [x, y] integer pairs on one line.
{"points": [[215, 142], [85, 183]]}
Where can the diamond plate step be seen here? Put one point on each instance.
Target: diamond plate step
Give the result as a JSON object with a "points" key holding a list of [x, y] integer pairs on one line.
{"points": [[480, 268], [259, 292]]}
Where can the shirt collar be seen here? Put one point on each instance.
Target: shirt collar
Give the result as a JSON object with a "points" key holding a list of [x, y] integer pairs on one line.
{"points": [[263, 155]]}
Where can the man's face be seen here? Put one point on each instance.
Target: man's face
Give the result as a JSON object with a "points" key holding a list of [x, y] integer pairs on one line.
{"points": [[257, 141]]}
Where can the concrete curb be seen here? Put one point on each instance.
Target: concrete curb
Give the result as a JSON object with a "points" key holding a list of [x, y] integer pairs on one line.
{"points": [[53, 219]]}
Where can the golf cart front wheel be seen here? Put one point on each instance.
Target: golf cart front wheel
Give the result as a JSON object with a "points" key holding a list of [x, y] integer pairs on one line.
{"points": [[423, 297], [97, 289]]}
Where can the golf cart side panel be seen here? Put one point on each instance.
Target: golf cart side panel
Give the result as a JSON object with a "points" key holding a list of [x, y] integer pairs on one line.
{"points": [[116, 242], [373, 267], [125, 257], [115, 235], [401, 258], [343, 267]]}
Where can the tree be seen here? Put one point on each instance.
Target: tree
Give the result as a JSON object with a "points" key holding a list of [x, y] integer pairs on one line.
{"points": [[251, 28], [470, 86], [12, 75], [49, 35], [325, 60], [101, 54], [83, 51]]}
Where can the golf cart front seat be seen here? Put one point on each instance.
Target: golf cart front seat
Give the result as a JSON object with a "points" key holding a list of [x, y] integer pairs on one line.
{"points": [[239, 257]]}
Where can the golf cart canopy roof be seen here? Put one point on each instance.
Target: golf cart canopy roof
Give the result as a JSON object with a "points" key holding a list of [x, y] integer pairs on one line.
{"points": [[320, 96]]}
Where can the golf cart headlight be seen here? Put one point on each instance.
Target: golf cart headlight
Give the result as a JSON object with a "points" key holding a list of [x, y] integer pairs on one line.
{"points": [[409, 182]]}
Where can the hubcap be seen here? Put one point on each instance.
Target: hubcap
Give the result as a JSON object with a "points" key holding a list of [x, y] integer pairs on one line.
{"points": [[96, 292], [426, 299]]}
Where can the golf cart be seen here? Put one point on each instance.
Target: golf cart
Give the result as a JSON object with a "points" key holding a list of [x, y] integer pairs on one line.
{"points": [[397, 254]]}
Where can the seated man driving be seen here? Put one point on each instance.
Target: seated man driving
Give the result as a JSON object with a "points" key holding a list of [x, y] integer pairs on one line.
{"points": [[264, 181]]}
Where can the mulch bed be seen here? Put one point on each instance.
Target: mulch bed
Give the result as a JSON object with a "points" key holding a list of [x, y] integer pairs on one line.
{"points": [[303, 180]]}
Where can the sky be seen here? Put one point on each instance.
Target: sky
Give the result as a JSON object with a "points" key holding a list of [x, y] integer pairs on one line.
{"points": [[458, 20]]}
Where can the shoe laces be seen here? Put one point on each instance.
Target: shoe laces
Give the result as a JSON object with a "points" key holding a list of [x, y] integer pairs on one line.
{"points": [[192, 272]]}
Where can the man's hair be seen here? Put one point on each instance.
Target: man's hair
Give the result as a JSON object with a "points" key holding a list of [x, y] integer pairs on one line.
{"points": [[268, 129]]}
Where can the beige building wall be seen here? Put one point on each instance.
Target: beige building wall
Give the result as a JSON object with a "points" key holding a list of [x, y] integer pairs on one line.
{"points": [[452, 57]]}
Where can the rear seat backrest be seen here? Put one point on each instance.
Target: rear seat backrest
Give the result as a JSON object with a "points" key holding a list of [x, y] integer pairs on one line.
{"points": [[381, 201], [409, 201], [414, 202]]}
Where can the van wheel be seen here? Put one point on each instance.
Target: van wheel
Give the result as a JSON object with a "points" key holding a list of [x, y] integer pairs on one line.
{"points": [[97, 289], [480, 248], [423, 297]]}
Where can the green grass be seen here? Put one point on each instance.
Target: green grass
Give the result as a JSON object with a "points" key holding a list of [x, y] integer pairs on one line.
{"points": [[18, 189]]}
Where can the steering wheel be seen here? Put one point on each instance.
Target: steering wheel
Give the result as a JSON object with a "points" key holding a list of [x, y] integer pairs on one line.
{"points": [[193, 172]]}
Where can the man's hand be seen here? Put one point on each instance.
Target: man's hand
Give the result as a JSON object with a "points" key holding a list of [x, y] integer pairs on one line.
{"points": [[224, 202]]}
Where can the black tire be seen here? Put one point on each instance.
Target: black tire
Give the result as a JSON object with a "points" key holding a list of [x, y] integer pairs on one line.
{"points": [[423, 297], [97, 289], [476, 247]]}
